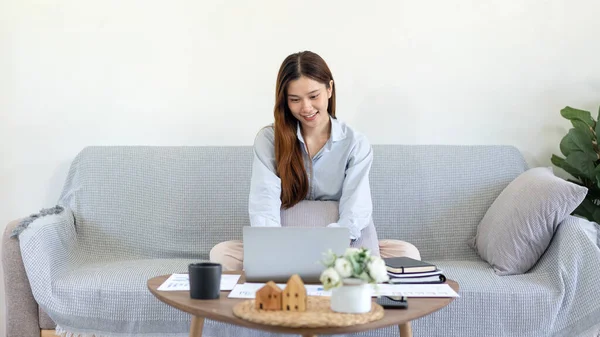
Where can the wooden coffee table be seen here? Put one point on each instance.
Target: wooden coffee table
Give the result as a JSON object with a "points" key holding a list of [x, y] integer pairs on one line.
{"points": [[222, 310]]}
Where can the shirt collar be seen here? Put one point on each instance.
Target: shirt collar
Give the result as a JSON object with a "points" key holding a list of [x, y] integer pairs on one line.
{"points": [[337, 133]]}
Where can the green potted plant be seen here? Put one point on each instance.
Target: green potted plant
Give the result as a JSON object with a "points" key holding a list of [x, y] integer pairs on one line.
{"points": [[582, 158]]}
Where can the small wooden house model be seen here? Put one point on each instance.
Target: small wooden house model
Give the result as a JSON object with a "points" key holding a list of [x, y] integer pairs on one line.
{"points": [[294, 295], [268, 297]]}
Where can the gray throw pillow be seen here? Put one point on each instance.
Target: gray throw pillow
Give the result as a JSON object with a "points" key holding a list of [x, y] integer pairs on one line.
{"points": [[314, 213], [518, 226], [310, 213]]}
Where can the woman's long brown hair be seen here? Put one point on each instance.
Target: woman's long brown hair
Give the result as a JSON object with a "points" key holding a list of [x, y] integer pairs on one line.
{"points": [[288, 152]]}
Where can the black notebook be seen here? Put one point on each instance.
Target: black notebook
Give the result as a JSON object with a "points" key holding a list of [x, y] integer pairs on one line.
{"points": [[440, 278], [403, 264]]}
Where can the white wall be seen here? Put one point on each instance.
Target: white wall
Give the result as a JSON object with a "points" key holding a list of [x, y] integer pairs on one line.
{"points": [[78, 73]]}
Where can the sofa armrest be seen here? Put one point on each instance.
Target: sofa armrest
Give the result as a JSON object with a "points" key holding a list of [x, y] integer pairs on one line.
{"points": [[591, 229], [575, 241], [22, 318], [583, 231], [572, 263]]}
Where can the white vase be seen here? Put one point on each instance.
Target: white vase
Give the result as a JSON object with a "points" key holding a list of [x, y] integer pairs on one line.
{"points": [[353, 297]]}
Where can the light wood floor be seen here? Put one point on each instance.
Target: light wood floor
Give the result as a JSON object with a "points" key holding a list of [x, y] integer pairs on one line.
{"points": [[48, 333]]}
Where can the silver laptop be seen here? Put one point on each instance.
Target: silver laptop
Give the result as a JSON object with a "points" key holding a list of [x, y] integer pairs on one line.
{"points": [[276, 253]]}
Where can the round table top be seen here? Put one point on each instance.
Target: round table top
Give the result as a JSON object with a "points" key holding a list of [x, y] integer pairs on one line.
{"points": [[222, 310]]}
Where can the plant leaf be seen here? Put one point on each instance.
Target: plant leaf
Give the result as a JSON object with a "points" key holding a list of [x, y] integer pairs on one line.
{"points": [[576, 140], [584, 128], [562, 163], [597, 130], [582, 163], [597, 179], [576, 114], [596, 215], [586, 209], [567, 145]]}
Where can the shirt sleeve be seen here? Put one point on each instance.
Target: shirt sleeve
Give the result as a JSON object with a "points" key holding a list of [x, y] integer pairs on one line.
{"points": [[264, 204], [356, 207]]}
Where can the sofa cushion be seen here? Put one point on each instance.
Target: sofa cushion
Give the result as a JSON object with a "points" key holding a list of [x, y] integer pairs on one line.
{"points": [[520, 223], [116, 295], [493, 305]]}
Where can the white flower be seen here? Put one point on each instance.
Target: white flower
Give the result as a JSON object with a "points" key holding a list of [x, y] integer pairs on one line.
{"points": [[355, 265], [343, 267], [330, 278], [328, 258], [351, 252], [377, 270]]}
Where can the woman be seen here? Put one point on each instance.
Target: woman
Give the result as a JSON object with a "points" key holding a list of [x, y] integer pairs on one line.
{"points": [[309, 154]]}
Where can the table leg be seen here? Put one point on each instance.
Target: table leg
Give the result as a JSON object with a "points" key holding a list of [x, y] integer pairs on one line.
{"points": [[197, 325], [405, 330]]}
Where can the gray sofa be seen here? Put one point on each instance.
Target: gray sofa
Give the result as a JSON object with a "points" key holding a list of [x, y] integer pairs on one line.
{"points": [[131, 213]]}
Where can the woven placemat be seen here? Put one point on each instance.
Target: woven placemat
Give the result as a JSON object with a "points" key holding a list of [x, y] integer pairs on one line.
{"points": [[317, 315]]}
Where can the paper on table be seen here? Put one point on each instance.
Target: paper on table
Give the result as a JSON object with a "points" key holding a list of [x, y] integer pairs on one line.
{"points": [[175, 282], [248, 290], [229, 281], [415, 290], [181, 282]]}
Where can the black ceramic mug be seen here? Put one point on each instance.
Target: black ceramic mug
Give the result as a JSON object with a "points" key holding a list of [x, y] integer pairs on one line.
{"points": [[205, 280]]}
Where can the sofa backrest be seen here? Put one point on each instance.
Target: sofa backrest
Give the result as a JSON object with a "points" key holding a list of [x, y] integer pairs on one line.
{"points": [[435, 196], [166, 202]]}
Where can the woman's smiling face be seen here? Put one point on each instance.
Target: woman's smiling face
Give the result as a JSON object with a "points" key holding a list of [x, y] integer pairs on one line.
{"points": [[308, 99]]}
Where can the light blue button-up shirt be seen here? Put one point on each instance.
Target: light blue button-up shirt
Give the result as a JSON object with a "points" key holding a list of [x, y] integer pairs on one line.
{"points": [[340, 172]]}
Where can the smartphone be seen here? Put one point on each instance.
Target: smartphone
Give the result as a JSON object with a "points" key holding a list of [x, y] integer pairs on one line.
{"points": [[392, 302]]}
